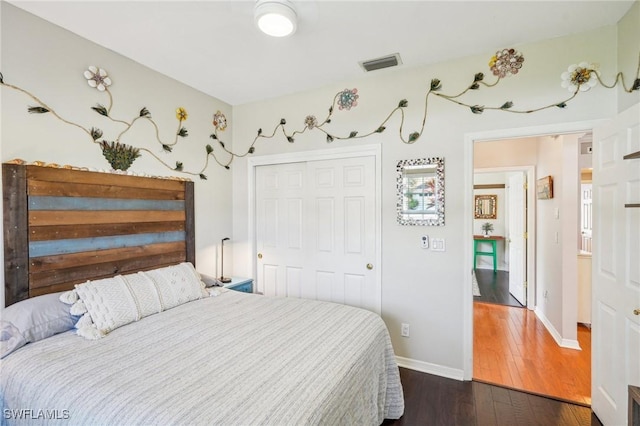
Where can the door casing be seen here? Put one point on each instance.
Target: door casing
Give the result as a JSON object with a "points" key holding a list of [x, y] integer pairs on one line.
{"points": [[469, 139]]}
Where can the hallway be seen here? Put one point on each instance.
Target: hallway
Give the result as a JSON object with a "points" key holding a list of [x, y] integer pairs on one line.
{"points": [[494, 288], [512, 348]]}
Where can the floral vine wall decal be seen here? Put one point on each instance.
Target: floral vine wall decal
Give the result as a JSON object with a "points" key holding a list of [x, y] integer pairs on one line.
{"points": [[120, 155], [506, 62]]}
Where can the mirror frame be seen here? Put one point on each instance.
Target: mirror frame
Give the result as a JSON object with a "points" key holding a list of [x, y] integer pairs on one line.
{"points": [[478, 212], [406, 218]]}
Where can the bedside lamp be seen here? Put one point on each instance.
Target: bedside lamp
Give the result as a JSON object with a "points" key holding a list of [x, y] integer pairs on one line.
{"points": [[222, 278]]}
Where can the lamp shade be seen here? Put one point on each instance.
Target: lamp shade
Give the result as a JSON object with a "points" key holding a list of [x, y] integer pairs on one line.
{"points": [[276, 18]]}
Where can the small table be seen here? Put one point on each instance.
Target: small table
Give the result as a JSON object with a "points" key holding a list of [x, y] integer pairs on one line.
{"points": [[492, 239], [244, 285]]}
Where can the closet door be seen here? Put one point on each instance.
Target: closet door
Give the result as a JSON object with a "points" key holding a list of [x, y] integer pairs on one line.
{"points": [[280, 226], [315, 231]]}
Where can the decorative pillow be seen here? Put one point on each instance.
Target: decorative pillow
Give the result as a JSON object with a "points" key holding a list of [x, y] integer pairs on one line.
{"points": [[113, 302], [177, 284], [32, 320]]}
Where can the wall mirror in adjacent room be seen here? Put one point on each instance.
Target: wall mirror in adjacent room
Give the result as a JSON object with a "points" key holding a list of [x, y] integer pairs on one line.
{"points": [[486, 206], [420, 185]]}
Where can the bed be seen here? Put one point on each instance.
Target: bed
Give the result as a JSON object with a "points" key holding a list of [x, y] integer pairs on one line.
{"points": [[219, 358]]}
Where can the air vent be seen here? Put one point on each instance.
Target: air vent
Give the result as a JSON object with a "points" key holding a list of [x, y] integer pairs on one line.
{"points": [[380, 63]]}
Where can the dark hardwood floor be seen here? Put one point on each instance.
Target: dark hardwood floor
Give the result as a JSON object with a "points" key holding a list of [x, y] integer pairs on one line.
{"points": [[434, 400], [494, 288]]}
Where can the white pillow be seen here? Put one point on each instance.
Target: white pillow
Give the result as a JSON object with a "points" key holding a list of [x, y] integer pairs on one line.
{"points": [[177, 284], [113, 302]]}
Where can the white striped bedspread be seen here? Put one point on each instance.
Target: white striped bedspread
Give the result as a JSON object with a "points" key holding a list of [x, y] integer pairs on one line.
{"points": [[234, 359]]}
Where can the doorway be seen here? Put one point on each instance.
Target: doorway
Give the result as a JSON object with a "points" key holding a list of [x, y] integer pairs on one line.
{"points": [[502, 258], [543, 302]]}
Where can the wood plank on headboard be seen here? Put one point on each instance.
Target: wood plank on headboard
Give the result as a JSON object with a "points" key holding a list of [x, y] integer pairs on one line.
{"points": [[16, 233], [63, 227]]}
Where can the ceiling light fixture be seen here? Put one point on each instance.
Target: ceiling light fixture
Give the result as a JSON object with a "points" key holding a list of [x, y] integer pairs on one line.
{"points": [[276, 18]]}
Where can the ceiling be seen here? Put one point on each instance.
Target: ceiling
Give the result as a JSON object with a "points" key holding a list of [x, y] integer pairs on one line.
{"points": [[215, 47]]}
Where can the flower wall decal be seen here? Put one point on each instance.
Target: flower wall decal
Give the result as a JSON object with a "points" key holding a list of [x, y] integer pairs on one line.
{"points": [[119, 155], [219, 121], [348, 98], [506, 62], [97, 77], [578, 78], [181, 114], [310, 122]]}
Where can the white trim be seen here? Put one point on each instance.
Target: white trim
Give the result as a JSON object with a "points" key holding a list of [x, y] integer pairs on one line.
{"points": [[467, 262], [469, 139], [427, 367], [320, 155], [316, 155], [564, 343]]}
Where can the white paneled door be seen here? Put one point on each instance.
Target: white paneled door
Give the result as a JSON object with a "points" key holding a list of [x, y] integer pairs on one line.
{"points": [[616, 267], [316, 231], [517, 244]]}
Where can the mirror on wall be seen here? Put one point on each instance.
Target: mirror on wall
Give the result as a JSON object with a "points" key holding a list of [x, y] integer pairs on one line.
{"points": [[420, 185], [486, 207]]}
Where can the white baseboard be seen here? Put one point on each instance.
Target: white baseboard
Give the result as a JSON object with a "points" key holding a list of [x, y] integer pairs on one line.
{"points": [[427, 367], [563, 343]]}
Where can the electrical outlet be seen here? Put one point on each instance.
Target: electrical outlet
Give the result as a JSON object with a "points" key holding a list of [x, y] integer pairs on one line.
{"points": [[404, 330], [424, 241]]}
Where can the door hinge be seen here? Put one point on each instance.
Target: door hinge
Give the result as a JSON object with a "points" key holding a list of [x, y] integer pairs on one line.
{"points": [[525, 235], [525, 185], [526, 284]]}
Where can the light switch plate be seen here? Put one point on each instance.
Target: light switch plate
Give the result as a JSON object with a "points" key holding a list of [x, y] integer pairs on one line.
{"points": [[437, 244]]}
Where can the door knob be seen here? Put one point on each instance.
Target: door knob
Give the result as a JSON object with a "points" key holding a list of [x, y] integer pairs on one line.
{"points": [[369, 266], [259, 255], [636, 312]]}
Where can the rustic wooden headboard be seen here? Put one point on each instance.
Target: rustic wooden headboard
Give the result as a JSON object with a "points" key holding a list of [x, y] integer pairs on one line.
{"points": [[63, 227]]}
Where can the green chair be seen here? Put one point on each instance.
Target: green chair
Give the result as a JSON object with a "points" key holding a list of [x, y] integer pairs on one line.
{"points": [[492, 253]]}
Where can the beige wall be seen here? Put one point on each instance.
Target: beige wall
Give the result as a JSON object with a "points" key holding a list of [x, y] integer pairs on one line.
{"points": [[49, 62], [506, 153], [629, 54], [419, 287], [423, 288]]}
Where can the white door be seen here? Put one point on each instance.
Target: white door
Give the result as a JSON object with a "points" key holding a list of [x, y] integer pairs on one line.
{"points": [[316, 231], [615, 269], [280, 213], [586, 217], [516, 194]]}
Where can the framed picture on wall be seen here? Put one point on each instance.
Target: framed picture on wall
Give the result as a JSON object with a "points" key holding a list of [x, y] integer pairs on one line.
{"points": [[544, 188]]}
